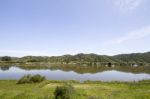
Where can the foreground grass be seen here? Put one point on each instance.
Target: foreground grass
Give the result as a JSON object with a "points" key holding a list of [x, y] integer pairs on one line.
{"points": [[87, 90]]}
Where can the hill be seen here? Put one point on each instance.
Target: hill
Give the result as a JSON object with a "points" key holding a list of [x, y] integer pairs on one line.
{"points": [[84, 58]]}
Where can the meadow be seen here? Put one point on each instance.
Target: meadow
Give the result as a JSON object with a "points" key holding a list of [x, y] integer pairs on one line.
{"points": [[83, 90]]}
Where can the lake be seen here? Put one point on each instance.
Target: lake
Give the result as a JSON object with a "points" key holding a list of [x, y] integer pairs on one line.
{"points": [[76, 73]]}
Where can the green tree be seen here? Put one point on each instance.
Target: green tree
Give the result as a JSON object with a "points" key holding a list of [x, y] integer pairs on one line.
{"points": [[6, 58]]}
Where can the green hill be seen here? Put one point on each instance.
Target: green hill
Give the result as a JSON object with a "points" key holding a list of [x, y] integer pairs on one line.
{"points": [[83, 58]]}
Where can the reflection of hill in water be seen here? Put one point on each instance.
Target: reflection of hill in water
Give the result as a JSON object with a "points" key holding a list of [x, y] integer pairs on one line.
{"points": [[81, 69], [4, 68], [140, 69]]}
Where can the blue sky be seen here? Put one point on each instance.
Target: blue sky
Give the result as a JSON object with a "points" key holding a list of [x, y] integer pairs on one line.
{"points": [[57, 27]]}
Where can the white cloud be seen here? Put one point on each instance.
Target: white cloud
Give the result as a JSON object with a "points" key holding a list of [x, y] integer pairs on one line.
{"points": [[131, 42], [130, 36], [134, 35], [126, 5]]}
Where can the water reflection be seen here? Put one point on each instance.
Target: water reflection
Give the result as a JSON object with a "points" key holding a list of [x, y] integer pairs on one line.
{"points": [[4, 68], [89, 69], [78, 73]]}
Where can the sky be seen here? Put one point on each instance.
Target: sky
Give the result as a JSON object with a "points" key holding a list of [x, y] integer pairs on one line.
{"points": [[58, 27]]}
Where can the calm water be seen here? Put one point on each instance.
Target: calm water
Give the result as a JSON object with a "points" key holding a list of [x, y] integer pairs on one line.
{"points": [[59, 74]]}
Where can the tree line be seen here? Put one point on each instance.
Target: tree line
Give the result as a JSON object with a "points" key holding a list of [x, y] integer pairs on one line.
{"points": [[82, 58]]}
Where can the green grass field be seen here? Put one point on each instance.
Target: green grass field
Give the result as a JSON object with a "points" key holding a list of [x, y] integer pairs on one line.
{"points": [[87, 90]]}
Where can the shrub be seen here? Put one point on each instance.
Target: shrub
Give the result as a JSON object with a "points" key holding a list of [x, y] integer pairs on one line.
{"points": [[31, 79], [6, 58], [37, 78], [64, 92], [24, 79]]}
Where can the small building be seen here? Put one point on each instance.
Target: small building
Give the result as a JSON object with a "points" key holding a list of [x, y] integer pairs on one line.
{"points": [[113, 66], [135, 65]]}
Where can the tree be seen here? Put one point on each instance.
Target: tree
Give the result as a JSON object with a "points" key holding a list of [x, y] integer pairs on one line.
{"points": [[6, 58]]}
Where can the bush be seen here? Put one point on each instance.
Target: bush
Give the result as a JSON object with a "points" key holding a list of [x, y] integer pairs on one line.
{"points": [[6, 58], [37, 78], [24, 79], [64, 92], [31, 79]]}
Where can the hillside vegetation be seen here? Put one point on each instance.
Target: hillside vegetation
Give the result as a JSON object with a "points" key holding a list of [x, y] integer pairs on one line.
{"points": [[83, 58]]}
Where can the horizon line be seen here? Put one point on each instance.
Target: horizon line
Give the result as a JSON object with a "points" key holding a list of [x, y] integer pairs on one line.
{"points": [[76, 54]]}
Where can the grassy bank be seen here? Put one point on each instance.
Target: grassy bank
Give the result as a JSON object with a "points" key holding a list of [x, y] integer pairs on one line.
{"points": [[87, 90]]}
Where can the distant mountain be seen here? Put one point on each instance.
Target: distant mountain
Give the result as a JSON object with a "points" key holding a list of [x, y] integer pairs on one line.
{"points": [[87, 58], [134, 57]]}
